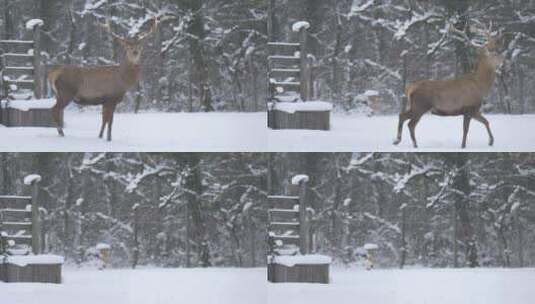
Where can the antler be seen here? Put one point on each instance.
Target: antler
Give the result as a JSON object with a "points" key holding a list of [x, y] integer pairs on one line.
{"points": [[463, 35], [142, 36], [106, 26]]}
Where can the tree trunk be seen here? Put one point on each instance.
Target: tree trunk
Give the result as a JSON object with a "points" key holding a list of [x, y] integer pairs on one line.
{"points": [[461, 184]]}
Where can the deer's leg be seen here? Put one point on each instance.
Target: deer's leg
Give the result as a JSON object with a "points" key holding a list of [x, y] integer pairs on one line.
{"points": [[402, 118], [412, 128], [111, 110], [104, 121], [466, 127], [56, 114], [479, 117]]}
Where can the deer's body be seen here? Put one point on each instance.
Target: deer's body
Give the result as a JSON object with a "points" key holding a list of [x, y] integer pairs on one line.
{"points": [[453, 97], [99, 85], [78, 83]]}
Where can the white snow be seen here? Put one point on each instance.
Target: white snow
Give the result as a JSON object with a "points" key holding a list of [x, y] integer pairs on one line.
{"points": [[311, 106], [308, 259], [296, 180], [297, 26], [359, 133], [24, 260], [145, 132], [31, 24], [145, 286], [103, 246], [371, 93], [370, 246], [32, 178], [26, 105], [412, 286], [246, 132]]}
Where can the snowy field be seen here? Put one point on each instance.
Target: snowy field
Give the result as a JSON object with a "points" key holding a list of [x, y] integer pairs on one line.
{"points": [[247, 132], [413, 286], [237, 286], [144, 286], [145, 132], [359, 133]]}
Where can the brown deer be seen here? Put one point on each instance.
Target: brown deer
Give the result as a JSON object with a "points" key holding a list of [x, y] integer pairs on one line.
{"points": [[99, 85], [454, 97]]}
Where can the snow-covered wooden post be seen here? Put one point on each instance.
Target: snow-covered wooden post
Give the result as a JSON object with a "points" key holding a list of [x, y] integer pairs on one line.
{"points": [[35, 26], [303, 235], [135, 257], [301, 27], [33, 181]]}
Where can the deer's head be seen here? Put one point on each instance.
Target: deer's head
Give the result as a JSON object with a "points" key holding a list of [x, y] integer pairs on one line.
{"points": [[493, 47], [133, 46]]}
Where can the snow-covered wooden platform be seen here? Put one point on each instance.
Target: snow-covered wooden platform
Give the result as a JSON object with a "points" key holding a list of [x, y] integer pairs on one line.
{"points": [[27, 113], [31, 269], [312, 115], [299, 269]]}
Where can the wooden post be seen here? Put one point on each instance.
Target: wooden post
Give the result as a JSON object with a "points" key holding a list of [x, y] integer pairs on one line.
{"points": [[403, 234], [5, 86], [303, 225], [305, 72], [455, 246], [188, 249], [37, 65], [520, 239], [271, 7], [36, 222], [135, 258]]}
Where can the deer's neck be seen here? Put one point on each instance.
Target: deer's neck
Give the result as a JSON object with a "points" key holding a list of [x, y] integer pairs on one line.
{"points": [[485, 73], [130, 73]]}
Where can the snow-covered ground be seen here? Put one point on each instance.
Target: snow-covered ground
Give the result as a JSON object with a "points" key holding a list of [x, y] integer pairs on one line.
{"points": [[247, 132], [359, 133], [144, 286], [413, 286], [237, 286], [145, 132]]}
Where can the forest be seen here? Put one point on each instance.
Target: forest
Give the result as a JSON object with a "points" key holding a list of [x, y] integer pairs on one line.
{"points": [[421, 209], [380, 45], [163, 209], [427, 209], [206, 55]]}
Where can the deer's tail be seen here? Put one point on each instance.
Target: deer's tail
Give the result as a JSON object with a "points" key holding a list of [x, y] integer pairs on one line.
{"points": [[53, 74], [409, 90]]}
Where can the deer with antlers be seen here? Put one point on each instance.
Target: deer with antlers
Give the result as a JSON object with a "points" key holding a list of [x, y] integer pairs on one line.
{"points": [[99, 85], [454, 97]]}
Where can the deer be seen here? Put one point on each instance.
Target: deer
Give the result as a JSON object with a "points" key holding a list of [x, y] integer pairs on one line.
{"points": [[455, 97], [99, 85]]}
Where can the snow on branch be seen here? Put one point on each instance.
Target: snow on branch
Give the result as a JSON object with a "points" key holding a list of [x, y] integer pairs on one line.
{"points": [[357, 7], [383, 68], [403, 180], [404, 27], [384, 222]]}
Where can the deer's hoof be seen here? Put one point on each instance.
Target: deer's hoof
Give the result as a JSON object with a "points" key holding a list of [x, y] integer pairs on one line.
{"points": [[491, 142], [396, 142]]}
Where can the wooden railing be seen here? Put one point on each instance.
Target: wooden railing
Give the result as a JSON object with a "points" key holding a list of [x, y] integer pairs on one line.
{"points": [[15, 62], [284, 217], [15, 219]]}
